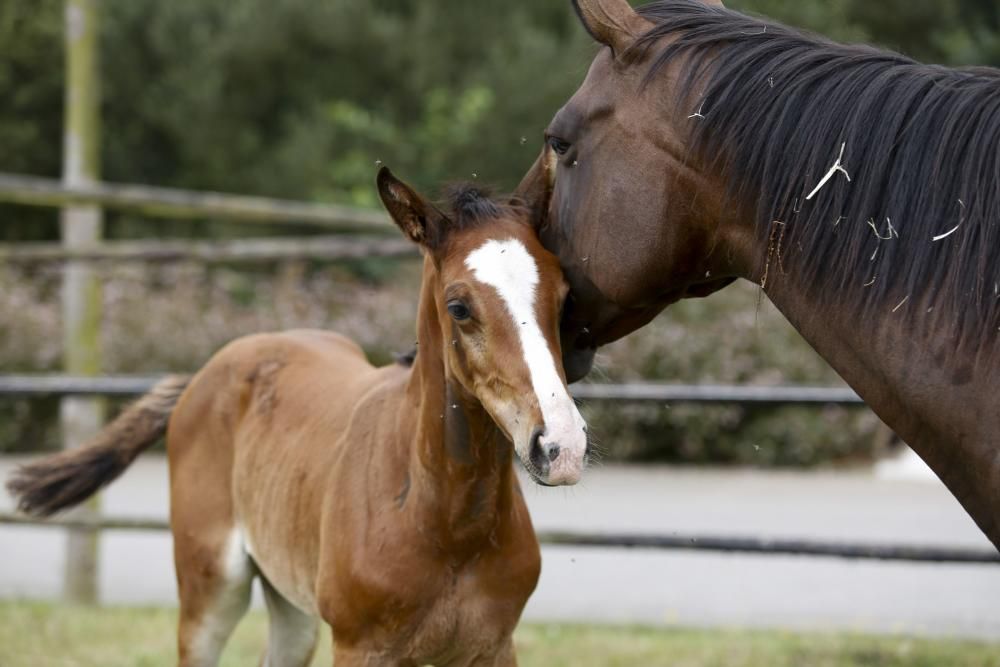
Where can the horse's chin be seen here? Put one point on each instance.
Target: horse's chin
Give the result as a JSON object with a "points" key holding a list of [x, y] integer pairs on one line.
{"points": [[544, 479], [539, 481]]}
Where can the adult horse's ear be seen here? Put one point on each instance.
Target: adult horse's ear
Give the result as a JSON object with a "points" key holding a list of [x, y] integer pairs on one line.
{"points": [[535, 190], [611, 22], [417, 217]]}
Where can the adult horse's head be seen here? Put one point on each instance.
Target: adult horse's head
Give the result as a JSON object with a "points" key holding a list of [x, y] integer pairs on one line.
{"points": [[632, 222], [859, 188], [496, 296]]}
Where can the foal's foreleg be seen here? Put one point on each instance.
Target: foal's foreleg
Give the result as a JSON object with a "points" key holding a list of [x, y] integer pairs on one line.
{"points": [[505, 656], [345, 657]]}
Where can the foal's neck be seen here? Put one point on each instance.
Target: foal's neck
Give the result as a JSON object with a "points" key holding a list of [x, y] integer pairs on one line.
{"points": [[463, 459]]}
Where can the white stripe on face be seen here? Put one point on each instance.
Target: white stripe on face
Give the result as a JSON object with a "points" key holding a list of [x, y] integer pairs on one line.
{"points": [[508, 267]]}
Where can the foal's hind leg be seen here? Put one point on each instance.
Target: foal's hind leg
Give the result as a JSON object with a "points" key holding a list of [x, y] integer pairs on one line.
{"points": [[214, 577], [291, 637]]}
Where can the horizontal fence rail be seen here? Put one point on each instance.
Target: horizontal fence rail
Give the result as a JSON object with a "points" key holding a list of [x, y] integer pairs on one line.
{"points": [[320, 248], [172, 203], [72, 385], [638, 392], [128, 385], [794, 547]]}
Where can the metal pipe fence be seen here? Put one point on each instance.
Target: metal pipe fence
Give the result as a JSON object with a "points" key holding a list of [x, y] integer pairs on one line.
{"points": [[682, 542], [634, 392]]}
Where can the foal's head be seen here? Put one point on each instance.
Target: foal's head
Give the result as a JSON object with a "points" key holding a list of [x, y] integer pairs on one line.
{"points": [[498, 296]]}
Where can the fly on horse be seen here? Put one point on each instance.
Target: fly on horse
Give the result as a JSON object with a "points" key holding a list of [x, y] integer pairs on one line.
{"points": [[382, 500], [858, 188]]}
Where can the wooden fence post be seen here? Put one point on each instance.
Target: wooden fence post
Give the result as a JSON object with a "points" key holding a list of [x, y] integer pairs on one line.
{"points": [[81, 417]]}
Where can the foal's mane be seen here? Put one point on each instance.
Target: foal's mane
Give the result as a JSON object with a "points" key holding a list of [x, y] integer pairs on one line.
{"points": [[772, 108], [471, 204]]}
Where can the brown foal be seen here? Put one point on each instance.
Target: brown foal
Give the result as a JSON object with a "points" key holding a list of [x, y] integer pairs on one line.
{"points": [[382, 500]]}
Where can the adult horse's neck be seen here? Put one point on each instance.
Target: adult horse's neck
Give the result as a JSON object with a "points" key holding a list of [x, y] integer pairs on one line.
{"points": [[825, 163], [916, 387], [461, 465]]}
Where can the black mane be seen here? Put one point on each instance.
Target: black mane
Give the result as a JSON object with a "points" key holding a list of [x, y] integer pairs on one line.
{"points": [[773, 107]]}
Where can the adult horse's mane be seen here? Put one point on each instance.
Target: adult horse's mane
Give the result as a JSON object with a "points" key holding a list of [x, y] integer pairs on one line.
{"points": [[918, 224]]}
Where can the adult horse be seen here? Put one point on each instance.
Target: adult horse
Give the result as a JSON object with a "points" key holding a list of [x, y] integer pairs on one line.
{"points": [[859, 189], [382, 500]]}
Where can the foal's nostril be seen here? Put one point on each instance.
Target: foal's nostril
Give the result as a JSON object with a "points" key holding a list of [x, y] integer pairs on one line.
{"points": [[539, 454], [552, 451], [536, 438]]}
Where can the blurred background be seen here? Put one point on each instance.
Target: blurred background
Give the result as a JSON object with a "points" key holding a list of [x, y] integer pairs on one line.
{"points": [[299, 99]]}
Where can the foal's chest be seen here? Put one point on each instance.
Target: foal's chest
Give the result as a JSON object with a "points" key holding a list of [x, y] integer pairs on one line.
{"points": [[436, 613], [474, 611]]}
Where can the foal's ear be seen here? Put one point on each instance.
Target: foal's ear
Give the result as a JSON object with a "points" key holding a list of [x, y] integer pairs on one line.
{"points": [[611, 22], [535, 190], [418, 218]]}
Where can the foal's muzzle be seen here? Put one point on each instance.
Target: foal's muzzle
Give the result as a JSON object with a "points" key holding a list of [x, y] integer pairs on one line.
{"points": [[554, 463]]}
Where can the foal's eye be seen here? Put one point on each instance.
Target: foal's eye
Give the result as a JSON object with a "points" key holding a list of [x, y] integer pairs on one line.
{"points": [[458, 310], [560, 146]]}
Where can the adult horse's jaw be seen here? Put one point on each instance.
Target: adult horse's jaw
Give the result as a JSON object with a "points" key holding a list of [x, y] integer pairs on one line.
{"points": [[590, 320], [578, 344], [577, 362]]}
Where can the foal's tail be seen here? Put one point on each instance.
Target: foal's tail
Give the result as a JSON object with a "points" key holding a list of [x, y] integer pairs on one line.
{"points": [[66, 479]]}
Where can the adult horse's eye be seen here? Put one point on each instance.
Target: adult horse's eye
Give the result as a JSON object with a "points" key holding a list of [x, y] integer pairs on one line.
{"points": [[560, 146], [458, 310]]}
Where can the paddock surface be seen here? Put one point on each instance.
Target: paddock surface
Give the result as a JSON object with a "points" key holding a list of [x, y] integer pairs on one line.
{"points": [[688, 589]]}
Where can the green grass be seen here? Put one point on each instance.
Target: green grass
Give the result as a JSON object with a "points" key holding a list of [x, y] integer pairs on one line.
{"points": [[44, 635]]}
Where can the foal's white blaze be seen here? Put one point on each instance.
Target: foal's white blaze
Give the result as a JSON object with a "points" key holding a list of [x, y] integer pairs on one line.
{"points": [[508, 267]]}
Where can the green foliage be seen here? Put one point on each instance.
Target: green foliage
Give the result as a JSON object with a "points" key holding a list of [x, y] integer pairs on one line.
{"points": [[31, 111], [300, 99], [31, 86], [296, 98], [951, 32]]}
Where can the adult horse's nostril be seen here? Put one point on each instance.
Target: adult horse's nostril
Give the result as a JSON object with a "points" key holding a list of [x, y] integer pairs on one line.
{"points": [[552, 451]]}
